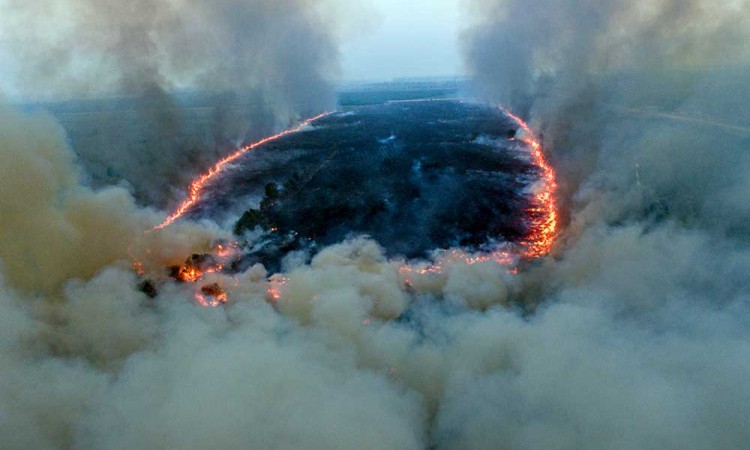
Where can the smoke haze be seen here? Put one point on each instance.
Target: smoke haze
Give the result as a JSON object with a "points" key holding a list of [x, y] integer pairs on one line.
{"points": [[645, 119], [242, 68], [635, 334]]}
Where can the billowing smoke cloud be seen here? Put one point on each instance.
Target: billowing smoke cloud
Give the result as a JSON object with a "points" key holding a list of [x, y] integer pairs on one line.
{"points": [[82, 349], [571, 64], [198, 77], [52, 227], [638, 339], [634, 336]]}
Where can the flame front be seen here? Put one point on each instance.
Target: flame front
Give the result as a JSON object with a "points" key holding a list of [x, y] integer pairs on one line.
{"points": [[543, 211], [542, 214], [197, 186]]}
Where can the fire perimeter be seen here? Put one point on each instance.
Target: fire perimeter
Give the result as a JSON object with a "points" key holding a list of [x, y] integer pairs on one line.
{"points": [[196, 187], [542, 213]]}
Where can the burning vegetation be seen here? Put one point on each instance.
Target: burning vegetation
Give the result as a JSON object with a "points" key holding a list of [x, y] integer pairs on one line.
{"points": [[291, 228], [543, 213], [204, 270], [194, 268], [196, 188]]}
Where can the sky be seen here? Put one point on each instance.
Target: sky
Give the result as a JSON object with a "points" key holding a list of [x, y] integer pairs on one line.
{"points": [[381, 40], [414, 38]]}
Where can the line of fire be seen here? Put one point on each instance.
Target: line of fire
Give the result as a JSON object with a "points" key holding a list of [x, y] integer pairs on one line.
{"points": [[208, 272]]}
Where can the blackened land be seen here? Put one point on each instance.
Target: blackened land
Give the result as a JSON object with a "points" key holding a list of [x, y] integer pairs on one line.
{"points": [[415, 176]]}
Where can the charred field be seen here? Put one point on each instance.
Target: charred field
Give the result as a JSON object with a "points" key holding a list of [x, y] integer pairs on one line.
{"points": [[415, 176]]}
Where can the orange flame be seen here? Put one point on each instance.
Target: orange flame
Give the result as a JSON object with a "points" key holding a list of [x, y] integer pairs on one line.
{"points": [[197, 186], [543, 211], [211, 295], [189, 273]]}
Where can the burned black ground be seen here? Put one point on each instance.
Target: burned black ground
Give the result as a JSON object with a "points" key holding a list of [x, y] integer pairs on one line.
{"points": [[415, 176]]}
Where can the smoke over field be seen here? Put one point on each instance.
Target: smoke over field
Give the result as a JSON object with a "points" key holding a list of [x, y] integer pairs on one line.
{"points": [[633, 333], [185, 80]]}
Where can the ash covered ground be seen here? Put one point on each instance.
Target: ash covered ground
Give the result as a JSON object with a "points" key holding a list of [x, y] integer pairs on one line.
{"points": [[415, 176]]}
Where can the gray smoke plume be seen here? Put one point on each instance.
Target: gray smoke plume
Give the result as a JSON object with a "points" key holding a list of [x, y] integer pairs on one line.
{"points": [[194, 78]]}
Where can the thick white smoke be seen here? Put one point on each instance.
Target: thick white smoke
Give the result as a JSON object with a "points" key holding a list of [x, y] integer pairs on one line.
{"points": [[635, 335], [89, 361], [639, 339]]}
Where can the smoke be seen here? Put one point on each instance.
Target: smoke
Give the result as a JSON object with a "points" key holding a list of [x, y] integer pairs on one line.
{"points": [[187, 79], [633, 336], [685, 57], [638, 337], [96, 48]]}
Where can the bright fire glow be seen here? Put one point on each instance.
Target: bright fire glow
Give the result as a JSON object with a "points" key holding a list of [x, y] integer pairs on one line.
{"points": [[543, 210], [197, 186], [189, 274]]}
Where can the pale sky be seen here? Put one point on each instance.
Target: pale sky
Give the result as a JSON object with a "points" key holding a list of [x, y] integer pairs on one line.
{"points": [[407, 38]]}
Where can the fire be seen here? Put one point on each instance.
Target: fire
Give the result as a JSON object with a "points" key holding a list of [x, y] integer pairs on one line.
{"points": [[543, 211], [197, 186], [189, 274], [197, 267], [503, 257], [275, 287], [194, 270], [211, 295], [138, 268]]}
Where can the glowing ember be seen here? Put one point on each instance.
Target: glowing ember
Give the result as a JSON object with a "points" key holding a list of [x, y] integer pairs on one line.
{"points": [[138, 268], [226, 250], [542, 214], [503, 257], [197, 186], [211, 295], [275, 286]]}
